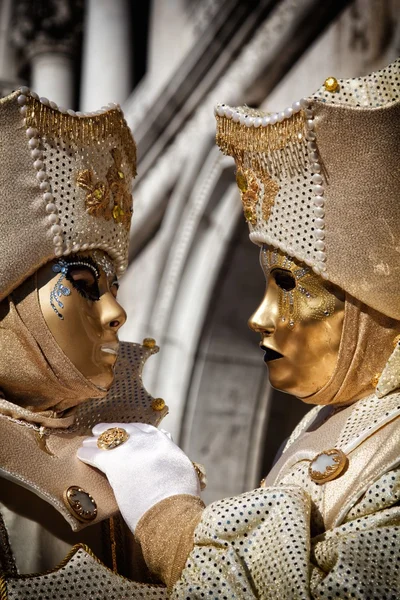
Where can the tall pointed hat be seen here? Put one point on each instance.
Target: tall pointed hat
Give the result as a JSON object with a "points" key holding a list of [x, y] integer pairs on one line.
{"points": [[320, 181]]}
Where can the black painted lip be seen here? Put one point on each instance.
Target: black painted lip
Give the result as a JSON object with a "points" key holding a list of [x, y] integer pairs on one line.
{"points": [[270, 354]]}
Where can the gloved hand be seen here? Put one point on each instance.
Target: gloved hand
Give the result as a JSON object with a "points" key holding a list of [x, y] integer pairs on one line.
{"points": [[145, 469]]}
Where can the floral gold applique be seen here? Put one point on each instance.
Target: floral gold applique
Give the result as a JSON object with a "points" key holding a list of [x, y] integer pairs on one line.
{"points": [[110, 199], [250, 189]]}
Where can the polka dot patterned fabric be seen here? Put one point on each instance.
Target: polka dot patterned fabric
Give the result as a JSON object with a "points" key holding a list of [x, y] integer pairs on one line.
{"points": [[80, 578], [374, 90], [127, 401]]}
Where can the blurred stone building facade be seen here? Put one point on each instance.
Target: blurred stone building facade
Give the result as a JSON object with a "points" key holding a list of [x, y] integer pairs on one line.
{"points": [[194, 277]]}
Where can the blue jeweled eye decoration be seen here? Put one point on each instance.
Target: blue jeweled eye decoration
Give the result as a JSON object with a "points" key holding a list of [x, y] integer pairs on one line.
{"points": [[63, 267]]}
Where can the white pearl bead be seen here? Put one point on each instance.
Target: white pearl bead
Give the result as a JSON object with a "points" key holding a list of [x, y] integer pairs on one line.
{"points": [[84, 246], [288, 112], [310, 135], [314, 156], [324, 274], [38, 165], [47, 197], [35, 95], [21, 100], [236, 117], [316, 167], [318, 190], [242, 119], [316, 178], [308, 113], [319, 201], [274, 118], [320, 255], [281, 117], [319, 223], [53, 219], [31, 132], [319, 212], [58, 251], [55, 229], [57, 240], [71, 112], [44, 186], [24, 90], [304, 102], [320, 245], [44, 101], [249, 122], [266, 120], [51, 207], [296, 107], [41, 175], [62, 109], [308, 262], [79, 113], [33, 143], [310, 124], [53, 105], [113, 105], [319, 234], [23, 110], [257, 122], [228, 112], [316, 270], [312, 146], [121, 268], [36, 153]]}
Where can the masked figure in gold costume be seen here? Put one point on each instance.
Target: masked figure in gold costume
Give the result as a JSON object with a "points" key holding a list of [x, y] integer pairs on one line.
{"points": [[66, 208], [319, 184]]}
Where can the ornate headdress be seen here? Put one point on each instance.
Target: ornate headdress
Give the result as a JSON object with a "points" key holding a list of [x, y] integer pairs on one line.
{"points": [[320, 182], [65, 184]]}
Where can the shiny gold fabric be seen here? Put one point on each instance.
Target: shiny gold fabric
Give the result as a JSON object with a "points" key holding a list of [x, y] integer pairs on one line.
{"points": [[365, 346], [28, 348]]}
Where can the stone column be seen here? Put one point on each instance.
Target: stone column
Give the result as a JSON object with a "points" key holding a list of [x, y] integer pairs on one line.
{"points": [[8, 70], [107, 59], [47, 35]]}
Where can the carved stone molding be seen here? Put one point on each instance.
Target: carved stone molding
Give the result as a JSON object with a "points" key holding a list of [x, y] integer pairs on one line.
{"points": [[46, 26]]}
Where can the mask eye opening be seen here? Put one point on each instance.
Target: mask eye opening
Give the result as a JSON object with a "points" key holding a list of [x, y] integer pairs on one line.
{"points": [[284, 279]]}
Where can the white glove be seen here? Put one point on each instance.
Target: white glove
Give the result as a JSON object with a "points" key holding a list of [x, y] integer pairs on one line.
{"points": [[145, 469]]}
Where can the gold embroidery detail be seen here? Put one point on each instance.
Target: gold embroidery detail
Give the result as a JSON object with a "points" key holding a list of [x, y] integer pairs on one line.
{"points": [[309, 288], [265, 150], [271, 189], [111, 198], [82, 130], [251, 192]]}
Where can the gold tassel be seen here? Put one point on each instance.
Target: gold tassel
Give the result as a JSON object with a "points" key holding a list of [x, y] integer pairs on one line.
{"points": [[81, 130], [266, 150]]}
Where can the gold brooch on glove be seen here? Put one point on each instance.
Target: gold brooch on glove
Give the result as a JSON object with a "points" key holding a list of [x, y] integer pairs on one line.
{"points": [[112, 438]]}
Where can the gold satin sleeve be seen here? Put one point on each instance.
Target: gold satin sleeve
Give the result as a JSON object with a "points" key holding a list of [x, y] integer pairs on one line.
{"points": [[259, 545], [166, 535]]}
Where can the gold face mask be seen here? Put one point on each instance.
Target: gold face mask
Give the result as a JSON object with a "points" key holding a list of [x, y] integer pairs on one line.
{"points": [[300, 321], [77, 296]]}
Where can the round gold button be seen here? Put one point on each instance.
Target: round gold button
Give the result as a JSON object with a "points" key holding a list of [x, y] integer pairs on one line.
{"points": [[327, 465], [112, 438], [331, 84], [80, 503], [157, 404]]}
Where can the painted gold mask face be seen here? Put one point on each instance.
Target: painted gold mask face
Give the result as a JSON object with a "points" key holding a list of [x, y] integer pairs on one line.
{"points": [[300, 321], [77, 296]]}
